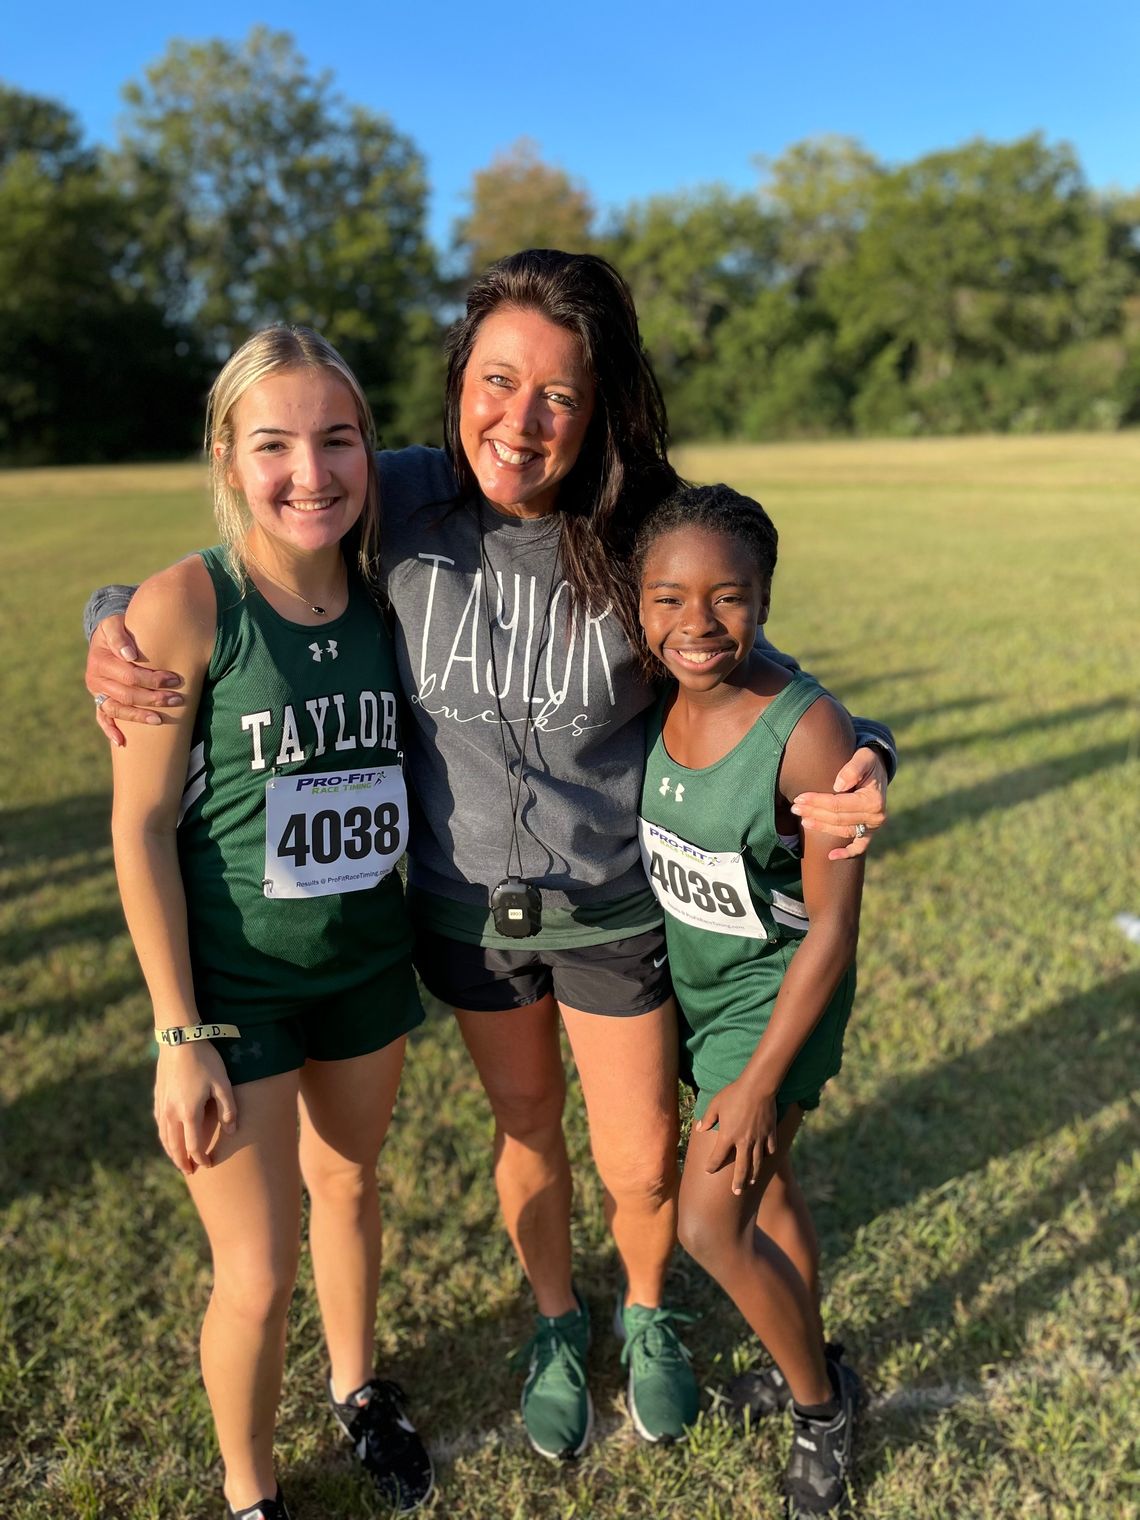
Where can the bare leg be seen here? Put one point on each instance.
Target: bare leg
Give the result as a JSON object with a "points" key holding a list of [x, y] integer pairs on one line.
{"points": [[784, 1217], [345, 1110], [719, 1231], [250, 1204], [628, 1069], [519, 1060]]}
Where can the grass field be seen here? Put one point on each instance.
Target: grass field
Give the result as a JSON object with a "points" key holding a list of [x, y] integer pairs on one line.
{"points": [[974, 1170]]}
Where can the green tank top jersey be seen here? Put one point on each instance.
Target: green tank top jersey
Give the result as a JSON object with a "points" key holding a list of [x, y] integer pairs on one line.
{"points": [[293, 815], [733, 897]]}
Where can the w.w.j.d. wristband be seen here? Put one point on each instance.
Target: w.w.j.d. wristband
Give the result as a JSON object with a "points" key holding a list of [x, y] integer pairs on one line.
{"points": [[185, 1034]]}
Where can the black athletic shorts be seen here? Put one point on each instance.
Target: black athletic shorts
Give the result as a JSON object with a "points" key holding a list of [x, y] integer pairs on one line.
{"points": [[620, 978]]}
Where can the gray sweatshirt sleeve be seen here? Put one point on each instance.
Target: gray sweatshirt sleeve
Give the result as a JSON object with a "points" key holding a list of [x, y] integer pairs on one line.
{"points": [[103, 603], [867, 730]]}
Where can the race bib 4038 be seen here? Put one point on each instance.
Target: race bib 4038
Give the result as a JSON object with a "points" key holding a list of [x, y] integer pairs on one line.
{"points": [[338, 832], [703, 888]]}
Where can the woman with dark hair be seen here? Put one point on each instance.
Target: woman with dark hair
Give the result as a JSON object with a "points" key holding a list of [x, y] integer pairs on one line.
{"points": [[505, 560]]}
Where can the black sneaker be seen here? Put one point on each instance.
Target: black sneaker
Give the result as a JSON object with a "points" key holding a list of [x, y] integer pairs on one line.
{"points": [[264, 1509], [375, 1420], [766, 1391], [816, 1479]]}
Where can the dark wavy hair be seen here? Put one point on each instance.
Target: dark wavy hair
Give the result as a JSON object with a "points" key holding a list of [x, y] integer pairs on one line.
{"points": [[622, 471]]}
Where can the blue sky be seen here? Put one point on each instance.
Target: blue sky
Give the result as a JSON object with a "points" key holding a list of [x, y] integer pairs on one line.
{"points": [[638, 99]]}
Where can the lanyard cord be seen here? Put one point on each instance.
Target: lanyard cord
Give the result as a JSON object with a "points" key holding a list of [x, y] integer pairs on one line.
{"points": [[514, 796]]}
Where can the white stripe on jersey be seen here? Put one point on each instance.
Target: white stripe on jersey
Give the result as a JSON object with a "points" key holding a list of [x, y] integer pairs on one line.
{"points": [[195, 779], [789, 912]]}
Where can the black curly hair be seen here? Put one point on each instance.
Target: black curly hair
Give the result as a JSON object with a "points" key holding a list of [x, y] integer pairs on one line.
{"points": [[715, 509]]}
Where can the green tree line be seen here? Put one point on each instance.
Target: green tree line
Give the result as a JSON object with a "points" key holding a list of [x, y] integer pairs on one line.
{"points": [[983, 287]]}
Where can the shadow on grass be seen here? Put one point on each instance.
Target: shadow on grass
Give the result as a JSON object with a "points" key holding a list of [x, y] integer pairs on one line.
{"points": [[98, 924], [927, 1131], [970, 1345], [920, 1133], [48, 831], [971, 803], [24, 882], [1033, 725], [848, 686], [1062, 1064], [442, 1364], [58, 1015], [981, 1341], [53, 1137], [930, 1130], [851, 693], [898, 718]]}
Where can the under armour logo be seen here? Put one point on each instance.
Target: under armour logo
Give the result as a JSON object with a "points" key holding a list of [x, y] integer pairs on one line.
{"points": [[319, 653], [678, 791]]}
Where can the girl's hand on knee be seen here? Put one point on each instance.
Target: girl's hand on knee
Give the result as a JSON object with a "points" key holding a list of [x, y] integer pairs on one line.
{"points": [[193, 1104], [745, 1132]]}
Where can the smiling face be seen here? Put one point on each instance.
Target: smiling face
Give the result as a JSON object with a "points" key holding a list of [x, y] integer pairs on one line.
{"points": [[299, 459], [524, 410], [702, 598]]}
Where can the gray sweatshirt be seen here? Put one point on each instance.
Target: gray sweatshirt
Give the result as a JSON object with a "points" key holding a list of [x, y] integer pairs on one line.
{"points": [[585, 698]]}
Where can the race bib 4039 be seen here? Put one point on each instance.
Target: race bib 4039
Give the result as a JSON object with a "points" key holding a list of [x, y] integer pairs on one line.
{"points": [[337, 832], [704, 888]]}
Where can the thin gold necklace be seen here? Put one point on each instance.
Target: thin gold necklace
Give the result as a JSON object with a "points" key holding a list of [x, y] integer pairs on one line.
{"points": [[312, 606]]}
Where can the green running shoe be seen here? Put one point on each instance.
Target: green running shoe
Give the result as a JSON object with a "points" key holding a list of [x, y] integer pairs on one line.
{"points": [[663, 1396], [556, 1406]]}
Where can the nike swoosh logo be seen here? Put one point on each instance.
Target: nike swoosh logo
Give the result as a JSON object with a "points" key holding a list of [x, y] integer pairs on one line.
{"points": [[658, 964]]}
